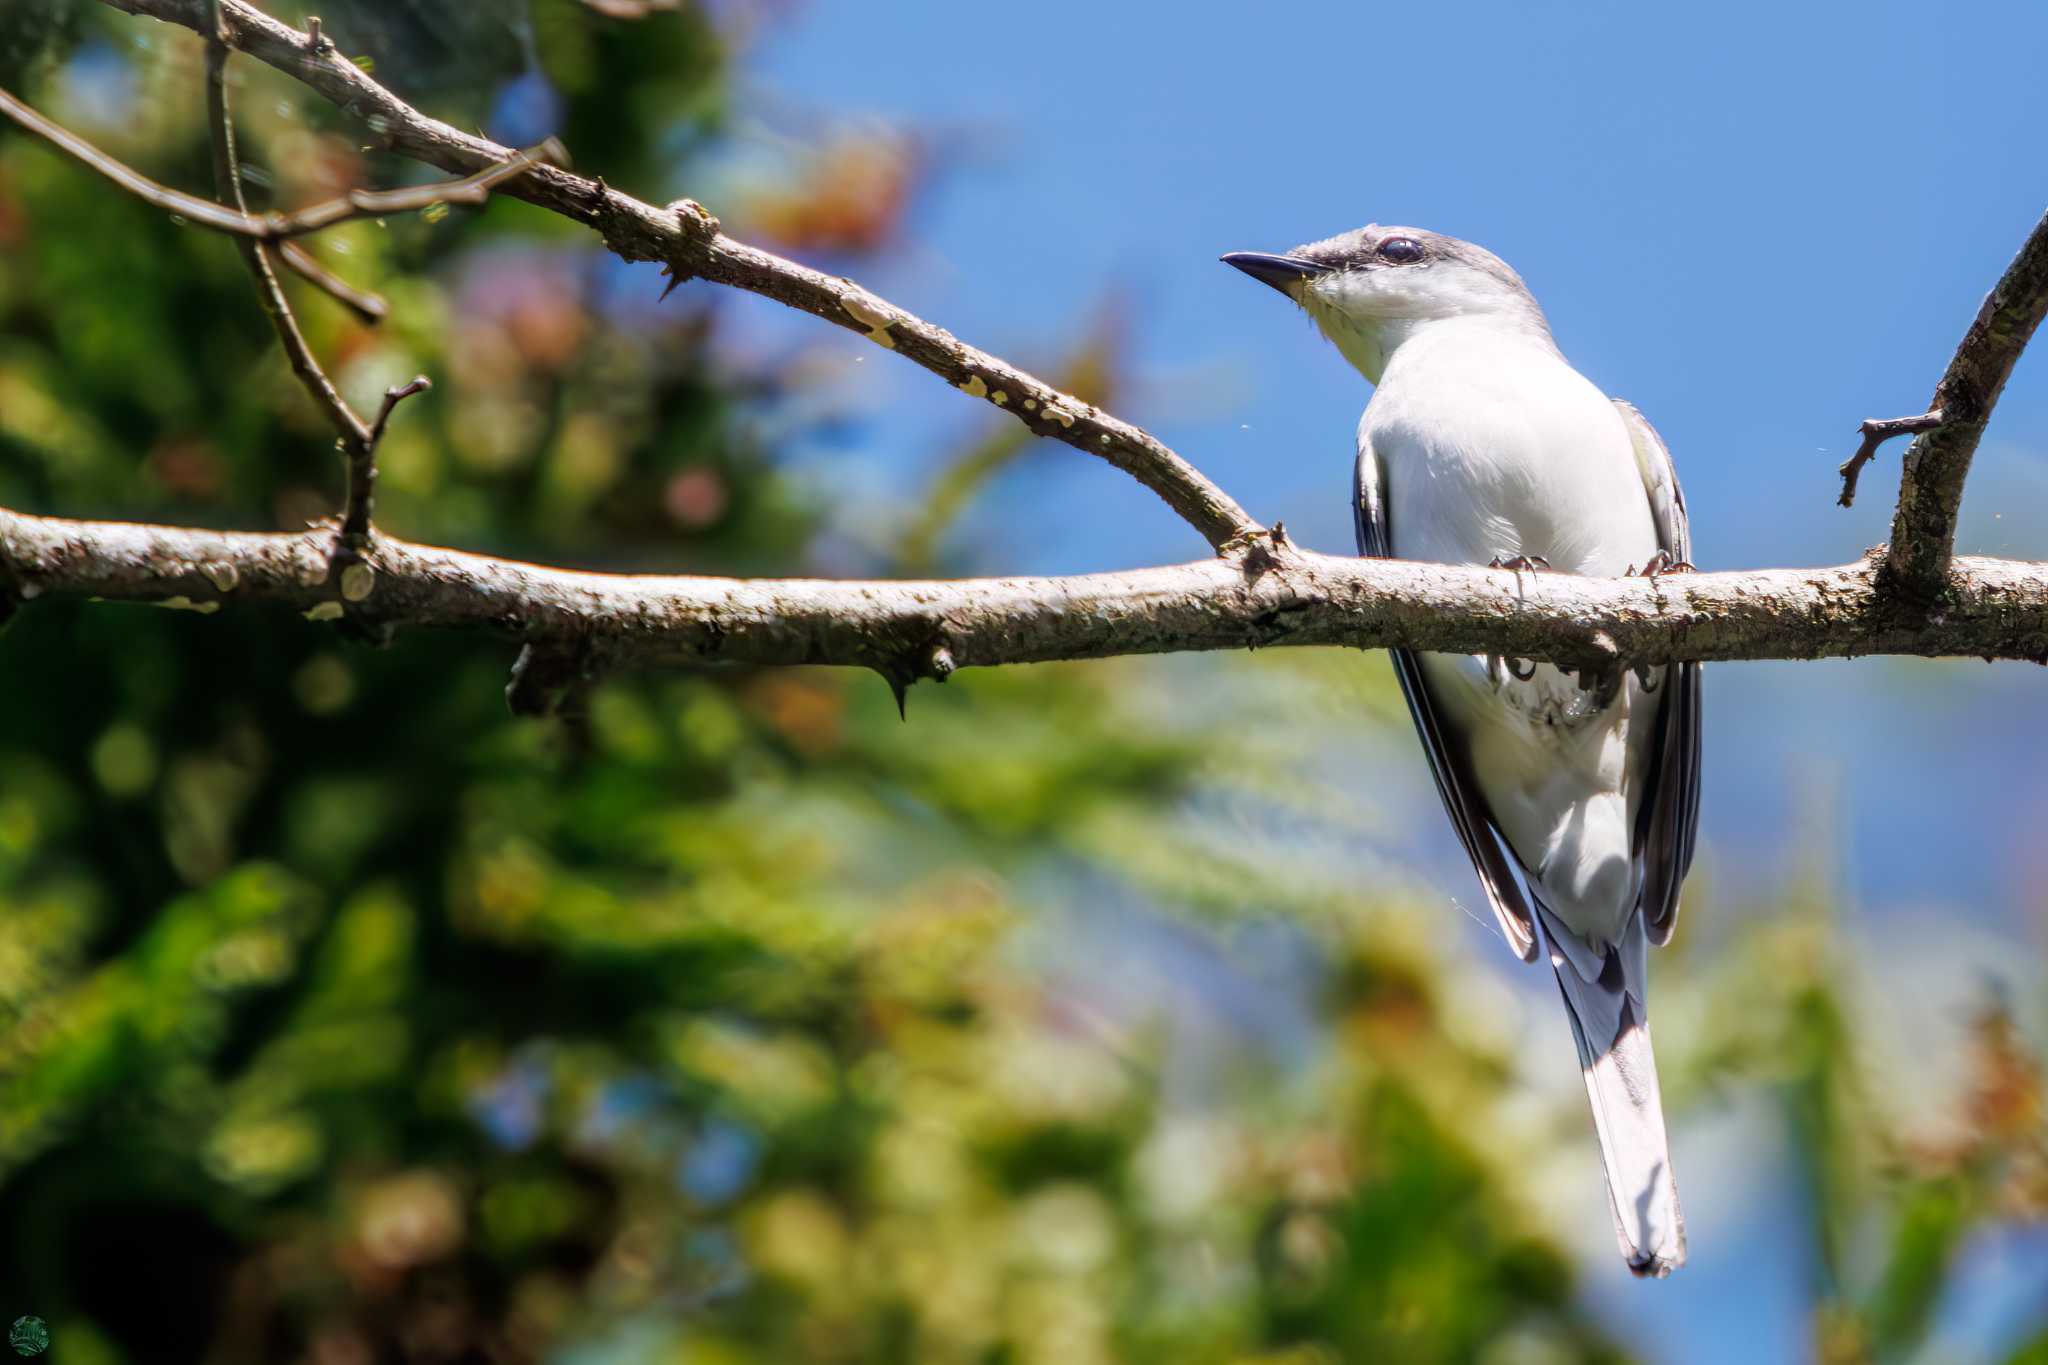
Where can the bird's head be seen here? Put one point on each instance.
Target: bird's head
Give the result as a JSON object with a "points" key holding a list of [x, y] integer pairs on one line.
{"points": [[1371, 289]]}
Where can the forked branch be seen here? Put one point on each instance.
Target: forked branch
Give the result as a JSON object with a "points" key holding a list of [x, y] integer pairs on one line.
{"points": [[1876, 431], [1933, 469], [279, 227], [1260, 591], [685, 238]]}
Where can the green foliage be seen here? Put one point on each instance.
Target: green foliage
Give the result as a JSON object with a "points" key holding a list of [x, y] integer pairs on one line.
{"points": [[726, 1018]]}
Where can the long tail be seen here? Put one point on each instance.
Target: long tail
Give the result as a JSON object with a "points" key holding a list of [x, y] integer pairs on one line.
{"points": [[1603, 996]]}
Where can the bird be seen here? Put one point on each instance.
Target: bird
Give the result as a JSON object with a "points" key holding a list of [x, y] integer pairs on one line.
{"points": [[1482, 445]]}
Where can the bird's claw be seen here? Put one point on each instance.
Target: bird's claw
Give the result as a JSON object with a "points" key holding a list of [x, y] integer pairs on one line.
{"points": [[1659, 564], [1497, 664]]}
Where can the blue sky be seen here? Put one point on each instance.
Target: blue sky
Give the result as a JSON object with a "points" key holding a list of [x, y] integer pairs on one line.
{"points": [[1761, 223]]}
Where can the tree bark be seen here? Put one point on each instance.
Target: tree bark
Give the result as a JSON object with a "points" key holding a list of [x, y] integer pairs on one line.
{"points": [[1915, 598], [927, 628]]}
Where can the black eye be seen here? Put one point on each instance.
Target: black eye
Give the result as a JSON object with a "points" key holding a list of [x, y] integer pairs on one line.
{"points": [[1401, 250]]}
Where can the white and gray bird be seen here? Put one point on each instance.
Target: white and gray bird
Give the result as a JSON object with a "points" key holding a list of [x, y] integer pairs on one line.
{"points": [[1482, 445]]}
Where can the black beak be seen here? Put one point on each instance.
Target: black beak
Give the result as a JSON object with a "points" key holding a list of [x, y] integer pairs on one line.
{"points": [[1278, 271]]}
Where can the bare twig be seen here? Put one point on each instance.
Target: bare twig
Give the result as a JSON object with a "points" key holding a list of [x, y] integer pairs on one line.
{"points": [[185, 206], [257, 236], [227, 181], [1264, 592], [362, 464], [916, 629], [1934, 468], [1876, 431], [275, 226], [368, 307], [470, 189], [393, 396], [686, 238]]}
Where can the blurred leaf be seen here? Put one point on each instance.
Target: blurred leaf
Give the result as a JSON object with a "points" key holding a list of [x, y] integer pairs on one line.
{"points": [[731, 1019]]}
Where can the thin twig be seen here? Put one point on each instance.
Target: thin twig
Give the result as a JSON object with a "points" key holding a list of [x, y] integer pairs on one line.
{"points": [[358, 442], [393, 396], [685, 237], [470, 189], [275, 226], [262, 237], [362, 464], [369, 307], [1876, 431], [227, 181]]}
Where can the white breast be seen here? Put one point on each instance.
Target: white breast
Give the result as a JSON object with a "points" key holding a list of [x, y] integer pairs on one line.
{"points": [[1489, 444]]}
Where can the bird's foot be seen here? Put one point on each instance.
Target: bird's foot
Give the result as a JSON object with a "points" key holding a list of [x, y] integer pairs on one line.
{"points": [[1659, 564], [1598, 686], [1654, 568], [1501, 667], [1497, 665]]}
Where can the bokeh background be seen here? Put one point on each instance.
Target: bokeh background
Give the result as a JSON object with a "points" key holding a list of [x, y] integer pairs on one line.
{"points": [[1134, 1011]]}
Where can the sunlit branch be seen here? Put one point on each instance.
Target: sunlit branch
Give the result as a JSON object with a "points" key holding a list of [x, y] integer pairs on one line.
{"points": [[1933, 470], [686, 238], [927, 628], [1260, 591]]}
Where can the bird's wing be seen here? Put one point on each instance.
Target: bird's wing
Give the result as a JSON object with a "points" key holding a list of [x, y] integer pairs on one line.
{"points": [[1454, 782], [1668, 820]]}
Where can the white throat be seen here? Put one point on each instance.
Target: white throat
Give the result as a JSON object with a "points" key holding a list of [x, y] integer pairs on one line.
{"points": [[1372, 313], [1371, 343]]}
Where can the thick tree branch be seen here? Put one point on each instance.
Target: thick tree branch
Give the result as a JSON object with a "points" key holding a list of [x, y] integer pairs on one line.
{"points": [[1259, 591], [686, 239], [1931, 484], [917, 629]]}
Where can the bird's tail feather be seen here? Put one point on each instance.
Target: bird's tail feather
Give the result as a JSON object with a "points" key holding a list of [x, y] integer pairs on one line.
{"points": [[1628, 1113]]}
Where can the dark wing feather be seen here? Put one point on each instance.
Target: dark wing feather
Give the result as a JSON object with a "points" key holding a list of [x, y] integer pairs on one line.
{"points": [[1467, 808], [1667, 824]]}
